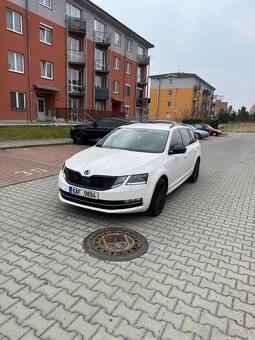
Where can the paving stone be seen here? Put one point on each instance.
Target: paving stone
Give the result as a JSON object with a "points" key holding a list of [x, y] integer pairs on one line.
{"points": [[128, 332], [83, 328]]}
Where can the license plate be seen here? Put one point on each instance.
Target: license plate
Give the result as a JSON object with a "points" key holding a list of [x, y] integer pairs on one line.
{"points": [[84, 192]]}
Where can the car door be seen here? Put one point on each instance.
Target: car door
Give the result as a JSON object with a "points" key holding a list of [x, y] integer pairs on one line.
{"points": [[190, 156], [175, 162], [101, 128]]}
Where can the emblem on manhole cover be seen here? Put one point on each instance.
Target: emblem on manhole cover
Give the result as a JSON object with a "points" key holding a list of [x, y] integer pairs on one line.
{"points": [[115, 244]]}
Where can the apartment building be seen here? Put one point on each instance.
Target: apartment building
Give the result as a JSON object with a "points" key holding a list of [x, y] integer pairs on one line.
{"points": [[219, 104], [176, 96], [59, 54]]}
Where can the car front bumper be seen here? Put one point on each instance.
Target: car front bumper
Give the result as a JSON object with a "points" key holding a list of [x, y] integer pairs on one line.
{"points": [[123, 199]]}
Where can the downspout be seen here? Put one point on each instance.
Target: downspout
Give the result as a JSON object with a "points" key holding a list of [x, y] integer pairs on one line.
{"points": [[158, 94], [29, 115]]}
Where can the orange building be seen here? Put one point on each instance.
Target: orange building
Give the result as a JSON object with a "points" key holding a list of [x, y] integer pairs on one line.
{"points": [[59, 56], [178, 96]]}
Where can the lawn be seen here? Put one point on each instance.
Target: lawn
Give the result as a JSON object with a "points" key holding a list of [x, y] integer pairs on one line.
{"points": [[239, 127], [33, 132]]}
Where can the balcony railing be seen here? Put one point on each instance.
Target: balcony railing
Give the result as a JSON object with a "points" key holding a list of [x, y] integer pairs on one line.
{"points": [[76, 89], [143, 60], [101, 93], [197, 87], [102, 38], [139, 101], [141, 81], [77, 25], [101, 66], [76, 57]]}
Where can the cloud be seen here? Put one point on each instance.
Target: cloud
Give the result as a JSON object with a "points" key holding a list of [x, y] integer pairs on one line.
{"points": [[245, 28]]}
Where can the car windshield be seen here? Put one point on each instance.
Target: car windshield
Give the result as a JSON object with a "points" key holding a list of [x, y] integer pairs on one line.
{"points": [[139, 140]]}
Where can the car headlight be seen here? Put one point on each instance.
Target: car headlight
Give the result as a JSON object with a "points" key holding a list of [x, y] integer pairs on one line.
{"points": [[138, 179], [63, 170], [119, 180]]}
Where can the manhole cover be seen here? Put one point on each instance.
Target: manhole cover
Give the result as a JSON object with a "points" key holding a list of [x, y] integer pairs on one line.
{"points": [[115, 244]]}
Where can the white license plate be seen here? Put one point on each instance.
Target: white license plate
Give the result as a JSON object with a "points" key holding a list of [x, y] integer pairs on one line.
{"points": [[84, 192]]}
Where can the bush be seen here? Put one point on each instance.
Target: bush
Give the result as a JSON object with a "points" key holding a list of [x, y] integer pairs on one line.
{"points": [[192, 121], [212, 122]]}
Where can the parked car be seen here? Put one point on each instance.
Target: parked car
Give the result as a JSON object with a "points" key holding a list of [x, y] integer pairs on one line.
{"points": [[199, 133], [208, 128], [83, 133], [132, 169]]}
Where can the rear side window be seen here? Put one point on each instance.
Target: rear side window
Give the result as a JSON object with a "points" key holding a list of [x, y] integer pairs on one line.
{"points": [[193, 137], [185, 137], [176, 139]]}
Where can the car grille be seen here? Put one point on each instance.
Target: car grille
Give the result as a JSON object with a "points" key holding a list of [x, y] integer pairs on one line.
{"points": [[103, 204], [93, 182]]}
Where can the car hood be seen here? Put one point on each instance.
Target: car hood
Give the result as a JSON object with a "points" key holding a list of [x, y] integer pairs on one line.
{"points": [[113, 162]]}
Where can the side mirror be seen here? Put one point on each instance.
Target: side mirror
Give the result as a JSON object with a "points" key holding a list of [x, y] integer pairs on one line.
{"points": [[177, 149]]}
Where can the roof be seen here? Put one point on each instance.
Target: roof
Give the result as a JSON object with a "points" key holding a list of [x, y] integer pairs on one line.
{"points": [[47, 88], [131, 33], [180, 75], [157, 126]]}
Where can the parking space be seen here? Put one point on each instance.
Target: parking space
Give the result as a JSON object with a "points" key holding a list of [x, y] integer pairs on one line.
{"points": [[195, 282], [22, 164]]}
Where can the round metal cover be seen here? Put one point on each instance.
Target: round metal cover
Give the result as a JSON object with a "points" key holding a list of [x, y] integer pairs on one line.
{"points": [[115, 244]]}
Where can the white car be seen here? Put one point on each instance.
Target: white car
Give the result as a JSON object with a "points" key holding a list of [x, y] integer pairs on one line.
{"points": [[132, 169]]}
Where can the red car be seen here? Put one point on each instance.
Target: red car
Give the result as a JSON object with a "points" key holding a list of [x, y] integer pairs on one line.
{"points": [[208, 128]]}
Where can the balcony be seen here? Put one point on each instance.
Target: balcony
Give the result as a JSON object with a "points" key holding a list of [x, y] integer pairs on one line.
{"points": [[76, 89], [76, 25], [139, 101], [141, 81], [197, 87], [102, 39], [76, 57], [101, 66], [143, 60], [101, 93]]}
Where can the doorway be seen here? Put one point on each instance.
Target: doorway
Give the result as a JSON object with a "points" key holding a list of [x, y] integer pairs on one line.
{"points": [[41, 108]]}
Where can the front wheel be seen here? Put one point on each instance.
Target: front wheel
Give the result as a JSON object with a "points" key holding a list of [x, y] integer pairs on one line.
{"points": [[158, 198], [78, 137], [194, 176]]}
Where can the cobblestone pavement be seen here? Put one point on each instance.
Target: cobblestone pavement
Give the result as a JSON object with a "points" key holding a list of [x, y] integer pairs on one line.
{"points": [[26, 163], [197, 280]]}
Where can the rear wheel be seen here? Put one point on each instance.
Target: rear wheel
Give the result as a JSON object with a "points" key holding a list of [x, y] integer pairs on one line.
{"points": [[158, 198], [78, 137], [198, 135], [214, 134], [194, 176]]}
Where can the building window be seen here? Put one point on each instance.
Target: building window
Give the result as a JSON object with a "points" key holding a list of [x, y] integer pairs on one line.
{"points": [[116, 86], [72, 11], [13, 21], [75, 103], [116, 63], [127, 90], [16, 62], [170, 92], [171, 81], [168, 115], [126, 110], [74, 44], [46, 34], [46, 3], [117, 38], [99, 105], [46, 69], [128, 67], [100, 82], [169, 104], [129, 45], [140, 50], [100, 31], [74, 80], [100, 60], [18, 101]]}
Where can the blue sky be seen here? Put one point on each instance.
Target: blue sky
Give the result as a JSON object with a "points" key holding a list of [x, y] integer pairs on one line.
{"points": [[213, 38]]}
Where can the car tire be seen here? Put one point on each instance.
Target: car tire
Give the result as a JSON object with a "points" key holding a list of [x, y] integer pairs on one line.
{"points": [[198, 135], [194, 176], [214, 134], [158, 198], [78, 137]]}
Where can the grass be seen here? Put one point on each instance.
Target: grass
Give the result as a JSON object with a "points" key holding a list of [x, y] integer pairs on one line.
{"points": [[33, 132], [239, 127]]}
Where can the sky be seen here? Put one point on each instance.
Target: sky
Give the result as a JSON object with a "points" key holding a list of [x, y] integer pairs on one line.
{"points": [[214, 39]]}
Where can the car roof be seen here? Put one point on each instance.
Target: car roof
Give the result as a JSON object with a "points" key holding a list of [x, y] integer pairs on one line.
{"points": [[158, 126]]}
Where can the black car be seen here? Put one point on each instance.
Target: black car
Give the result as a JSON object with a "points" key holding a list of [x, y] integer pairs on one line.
{"points": [[84, 133]]}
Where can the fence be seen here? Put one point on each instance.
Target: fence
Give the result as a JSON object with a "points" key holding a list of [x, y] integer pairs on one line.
{"points": [[84, 115]]}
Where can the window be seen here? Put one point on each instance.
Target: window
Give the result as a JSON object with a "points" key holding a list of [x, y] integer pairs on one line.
{"points": [[75, 103], [13, 21], [169, 104], [46, 69], [171, 81], [185, 137], [100, 82], [46, 3], [126, 110], [176, 139], [74, 44], [127, 90], [16, 62], [168, 115], [140, 76], [116, 86], [100, 60], [72, 11], [74, 80], [140, 50], [128, 67], [18, 101], [45, 34], [129, 45], [116, 63], [100, 31], [117, 38], [170, 92], [100, 105]]}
